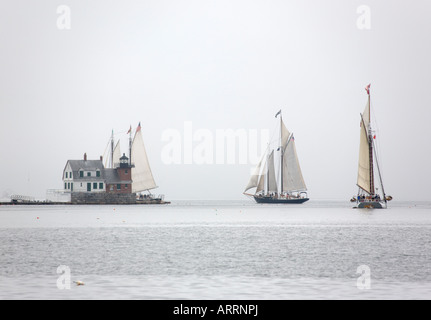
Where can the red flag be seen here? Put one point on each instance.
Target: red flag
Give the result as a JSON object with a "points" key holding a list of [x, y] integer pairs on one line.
{"points": [[367, 88], [139, 127], [130, 130], [374, 137]]}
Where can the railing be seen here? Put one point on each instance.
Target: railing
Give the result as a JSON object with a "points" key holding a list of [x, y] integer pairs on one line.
{"points": [[19, 198]]}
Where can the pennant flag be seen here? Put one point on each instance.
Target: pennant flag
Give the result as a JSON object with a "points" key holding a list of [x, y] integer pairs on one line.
{"points": [[130, 129], [139, 127], [367, 88], [279, 112]]}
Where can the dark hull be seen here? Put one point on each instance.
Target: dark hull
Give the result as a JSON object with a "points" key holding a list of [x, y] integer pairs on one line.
{"points": [[371, 205], [279, 200]]}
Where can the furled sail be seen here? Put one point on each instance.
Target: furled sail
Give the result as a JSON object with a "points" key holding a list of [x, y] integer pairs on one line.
{"points": [[272, 182], [364, 169], [141, 174], [254, 179], [292, 175]]}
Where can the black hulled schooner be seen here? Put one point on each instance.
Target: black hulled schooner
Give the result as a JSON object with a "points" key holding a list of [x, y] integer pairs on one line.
{"points": [[289, 186]]}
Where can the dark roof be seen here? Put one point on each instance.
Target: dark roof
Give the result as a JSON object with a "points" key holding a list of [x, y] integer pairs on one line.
{"points": [[111, 177], [86, 165]]}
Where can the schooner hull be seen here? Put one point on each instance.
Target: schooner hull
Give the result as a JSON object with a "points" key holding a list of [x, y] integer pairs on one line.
{"points": [[371, 205], [280, 200]]}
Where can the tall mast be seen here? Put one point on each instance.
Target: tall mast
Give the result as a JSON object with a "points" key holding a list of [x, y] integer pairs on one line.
{"points": [[112, 149], [281, 153], [370, 140], [130, 146], [267, 174]]}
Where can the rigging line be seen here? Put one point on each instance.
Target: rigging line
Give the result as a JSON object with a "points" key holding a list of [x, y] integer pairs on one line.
{"points": [[107, 145], [377, 132], [380, 177]]}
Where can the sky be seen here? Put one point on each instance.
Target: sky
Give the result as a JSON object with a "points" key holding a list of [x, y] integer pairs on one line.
{"points": [[73, 71]]}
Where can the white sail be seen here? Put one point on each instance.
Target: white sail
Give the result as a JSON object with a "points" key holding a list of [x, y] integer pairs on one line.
{"points": [[364, 169], [272, 182], [142, 176], [261, 184], [284, 133], [292, 175], [254, 179], [116, 154]]}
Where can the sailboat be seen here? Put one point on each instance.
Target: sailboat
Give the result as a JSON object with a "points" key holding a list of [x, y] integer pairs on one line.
{"points": [[141, 174], [290, 187], [369, 195]]}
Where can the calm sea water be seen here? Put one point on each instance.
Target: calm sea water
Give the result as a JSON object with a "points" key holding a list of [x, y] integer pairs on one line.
{"points": [[216, 250]]}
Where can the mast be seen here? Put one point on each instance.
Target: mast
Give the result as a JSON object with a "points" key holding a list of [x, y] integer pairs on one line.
{"points": [[370, 140], [267, 176], [112, 149], [281, 154], [130, 146], [380, 177]]}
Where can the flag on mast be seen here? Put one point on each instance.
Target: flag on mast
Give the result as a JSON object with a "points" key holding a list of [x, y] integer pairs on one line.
{"points": [[367, 88]]}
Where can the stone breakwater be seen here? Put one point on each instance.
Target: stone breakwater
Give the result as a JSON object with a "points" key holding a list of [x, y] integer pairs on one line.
{"points": [[102, 198]]}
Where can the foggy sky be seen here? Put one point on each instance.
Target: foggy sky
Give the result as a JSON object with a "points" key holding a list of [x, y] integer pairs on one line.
{"points": [[219, 65]]}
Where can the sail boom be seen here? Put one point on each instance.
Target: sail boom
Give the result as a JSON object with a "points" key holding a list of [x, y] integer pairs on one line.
{"points": [[363, 189]]}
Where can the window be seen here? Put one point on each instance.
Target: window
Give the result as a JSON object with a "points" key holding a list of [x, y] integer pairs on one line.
{"points": [[68, 185], [126, 186], [94, 185], [66, 175], [101, 185], [81, 174], [125, 171], [65, 185], [70, 175], [118, 186], [97, 173], [88, 174]]}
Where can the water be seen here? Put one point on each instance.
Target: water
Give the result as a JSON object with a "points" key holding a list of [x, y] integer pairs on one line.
{"points": [[216, 250]]}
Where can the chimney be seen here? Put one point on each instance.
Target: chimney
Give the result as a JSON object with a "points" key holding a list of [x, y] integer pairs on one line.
{"points": [[85, 156], [101, 158]]}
